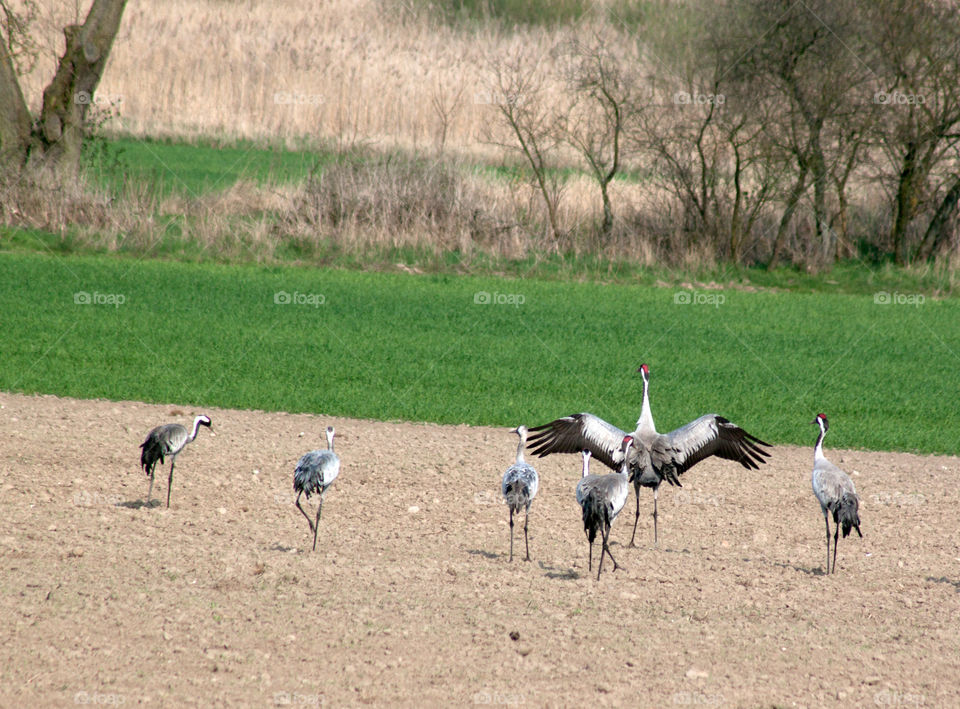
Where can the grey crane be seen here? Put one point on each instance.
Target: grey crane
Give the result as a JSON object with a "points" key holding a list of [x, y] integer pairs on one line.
{"points": [[519, 486], [601, 497], [315, 472], [836, 493], [167, 440], [655, 457]]}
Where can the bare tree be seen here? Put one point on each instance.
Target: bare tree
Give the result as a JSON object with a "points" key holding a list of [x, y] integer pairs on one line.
{"points": [[918, 56], [708, 139], [56, 135], [811, 56], [604, 102], [518, 92], [446, 104]]}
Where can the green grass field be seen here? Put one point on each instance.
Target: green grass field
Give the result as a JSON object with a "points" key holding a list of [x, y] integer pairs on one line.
{"points": [[193, 169], [480, 350]]}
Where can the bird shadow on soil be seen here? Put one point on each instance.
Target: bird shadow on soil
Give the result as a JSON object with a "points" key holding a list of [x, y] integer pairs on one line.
{"points": [[555, 573], [803, 569], [484, 554], [137, 504], [552, 572], [944, 579], [280, 547]]}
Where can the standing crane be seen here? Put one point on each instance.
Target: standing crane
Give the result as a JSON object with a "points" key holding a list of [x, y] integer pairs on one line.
{"points": [[519, 486], [836, 493], [167, 440], [601, 497], [315, 472], [655, 457]]}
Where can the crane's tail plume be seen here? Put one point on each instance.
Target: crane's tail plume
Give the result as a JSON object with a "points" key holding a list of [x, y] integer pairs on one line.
{"points": [[595, 515], [516, 495], [151, 453], [848, 514]]}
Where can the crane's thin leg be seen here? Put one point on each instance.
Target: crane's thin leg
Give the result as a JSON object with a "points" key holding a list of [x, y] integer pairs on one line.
{"points": [[150, 489], [511, 534], [636, 519], [836, 534], [827, 522], [656, 492], [169, 482], [297, 503], [602, 547], [606, 548], [316, 525], [590, 558], [526, 518]]}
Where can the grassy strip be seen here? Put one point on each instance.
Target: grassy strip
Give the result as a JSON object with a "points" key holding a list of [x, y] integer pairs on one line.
{"points": [[193, 169], [479, 350], [851, 278]]}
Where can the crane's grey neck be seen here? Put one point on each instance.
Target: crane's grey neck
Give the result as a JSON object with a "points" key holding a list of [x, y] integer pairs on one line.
{"points": [[645, 422], [586, 464], [329, 439], [522, 432]]}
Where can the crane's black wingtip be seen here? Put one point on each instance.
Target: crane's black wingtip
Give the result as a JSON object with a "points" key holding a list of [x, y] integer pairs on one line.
{"points": [[541, 427]]}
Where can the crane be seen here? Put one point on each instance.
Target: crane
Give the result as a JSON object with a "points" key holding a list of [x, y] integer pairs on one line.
{"points": [[167, 440], [655, 457], [315, 472], [519, 486], [601, 497], [836, 493]]}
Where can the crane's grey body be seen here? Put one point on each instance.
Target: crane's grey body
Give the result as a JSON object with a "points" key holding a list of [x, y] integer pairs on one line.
{"points": [[601, 497], [519, 486], [654, 457], [167, 441], [836, 493], [315, 472]]}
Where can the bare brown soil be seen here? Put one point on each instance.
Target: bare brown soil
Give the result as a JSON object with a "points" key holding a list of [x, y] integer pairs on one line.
{"points": [[409, 599]]}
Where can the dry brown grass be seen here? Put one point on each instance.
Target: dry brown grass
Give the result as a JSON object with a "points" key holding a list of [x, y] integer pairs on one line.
{"points": [[343, 71]]}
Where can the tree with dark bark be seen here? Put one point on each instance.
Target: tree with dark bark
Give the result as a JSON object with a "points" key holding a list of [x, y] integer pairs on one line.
{"points": [[54, 138], [918, 63], [811, 57]]}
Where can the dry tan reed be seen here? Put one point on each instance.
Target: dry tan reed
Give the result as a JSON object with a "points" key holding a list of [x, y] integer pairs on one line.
{"points": [[337, 71]]}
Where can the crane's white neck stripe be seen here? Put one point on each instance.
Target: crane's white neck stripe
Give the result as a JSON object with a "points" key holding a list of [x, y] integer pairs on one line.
{"points": [[645, 422]]}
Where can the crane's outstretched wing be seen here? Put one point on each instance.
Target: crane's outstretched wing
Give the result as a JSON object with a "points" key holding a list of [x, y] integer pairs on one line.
{"points": [[576, 433], [678, 451]]}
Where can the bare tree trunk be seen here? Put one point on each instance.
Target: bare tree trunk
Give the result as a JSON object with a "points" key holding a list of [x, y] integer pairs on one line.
{"points": [[937, 229], [67, 98], [818, 169], [904, 203], [799, 187], [607, 225], [735, 218], [842, 215], [14, 116]]}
